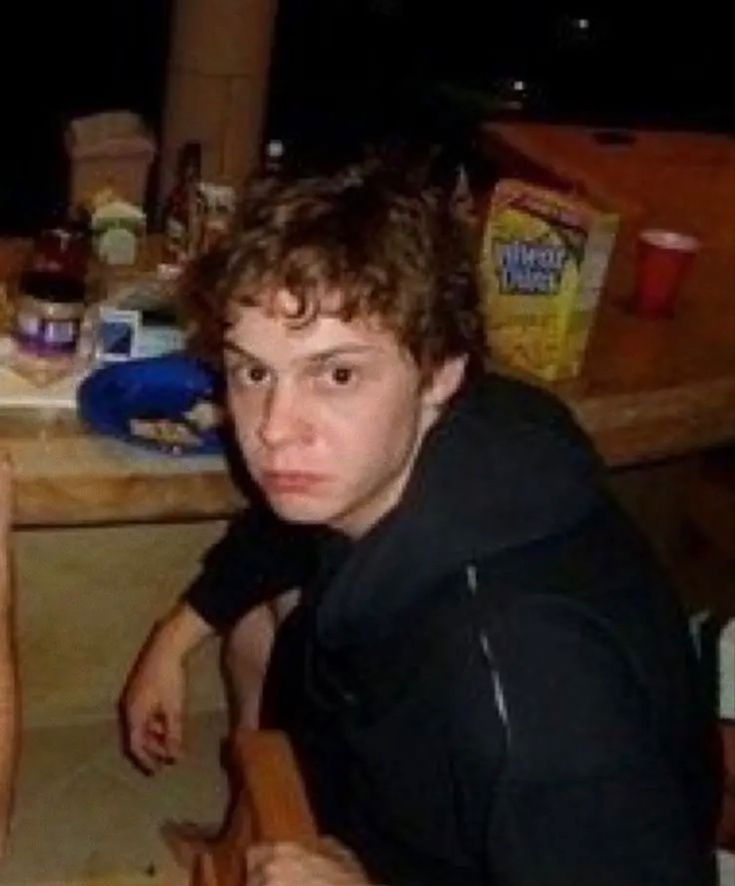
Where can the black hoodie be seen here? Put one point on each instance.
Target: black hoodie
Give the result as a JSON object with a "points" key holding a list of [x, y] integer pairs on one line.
{"points": [[494, 684]]}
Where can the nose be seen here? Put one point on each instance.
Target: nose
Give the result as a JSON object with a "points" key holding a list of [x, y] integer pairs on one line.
{"points": [[282, 421]]}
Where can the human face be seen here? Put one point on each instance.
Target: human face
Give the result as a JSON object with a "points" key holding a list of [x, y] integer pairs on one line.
{"points": [[329, 416]]}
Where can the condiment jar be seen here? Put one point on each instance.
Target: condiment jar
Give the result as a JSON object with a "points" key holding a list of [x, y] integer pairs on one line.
{"points": [[49, 314]]}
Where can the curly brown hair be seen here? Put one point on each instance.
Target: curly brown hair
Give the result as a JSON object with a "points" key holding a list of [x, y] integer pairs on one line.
{"points": [[381, 237]]}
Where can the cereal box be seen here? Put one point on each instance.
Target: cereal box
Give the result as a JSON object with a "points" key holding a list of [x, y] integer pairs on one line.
{"points": [[542, 265]]}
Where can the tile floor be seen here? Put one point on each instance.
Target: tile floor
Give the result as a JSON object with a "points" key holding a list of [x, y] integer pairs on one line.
{"points": [[84, 815]]}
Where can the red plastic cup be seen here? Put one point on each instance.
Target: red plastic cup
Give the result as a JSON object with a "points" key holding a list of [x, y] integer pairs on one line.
{"points": [[664, 258]]}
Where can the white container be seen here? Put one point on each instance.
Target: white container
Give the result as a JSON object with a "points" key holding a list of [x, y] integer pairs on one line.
{"points": [[110, 150]]}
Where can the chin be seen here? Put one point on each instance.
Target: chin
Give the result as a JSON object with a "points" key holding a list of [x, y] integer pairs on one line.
{"points": [[294, 511]]}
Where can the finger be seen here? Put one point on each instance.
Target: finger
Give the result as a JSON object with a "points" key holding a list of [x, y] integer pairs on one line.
{"points": [[332, 845], [155, 736], [259, 877], [153, 731], [157, 750], [140, 750], [257, 858], [144, 759], [157, 745], [286, 849], [343, 855], [173, 734]]}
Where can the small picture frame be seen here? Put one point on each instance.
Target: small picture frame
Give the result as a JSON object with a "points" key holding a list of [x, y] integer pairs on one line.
{"points": [[117, 335]]}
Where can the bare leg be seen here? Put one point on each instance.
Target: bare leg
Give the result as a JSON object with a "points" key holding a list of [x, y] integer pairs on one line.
{"points": [[247, 654], [8, 677]]}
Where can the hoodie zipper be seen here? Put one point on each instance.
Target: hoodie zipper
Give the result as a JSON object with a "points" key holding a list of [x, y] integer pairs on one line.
{"points": [[489, 655]]}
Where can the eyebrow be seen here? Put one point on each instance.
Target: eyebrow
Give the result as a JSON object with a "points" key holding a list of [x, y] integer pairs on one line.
{"points": [[316, 357]]}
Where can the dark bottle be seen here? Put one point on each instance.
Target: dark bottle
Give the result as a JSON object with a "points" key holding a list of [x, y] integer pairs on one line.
{"points": [[64, 247], [180, 205]]}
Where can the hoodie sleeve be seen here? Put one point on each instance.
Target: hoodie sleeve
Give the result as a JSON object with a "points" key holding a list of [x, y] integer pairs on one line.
{"points": [[259, 557], [587, 796]]}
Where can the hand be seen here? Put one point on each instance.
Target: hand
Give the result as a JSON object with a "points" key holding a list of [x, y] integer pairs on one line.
{"points": [[152, 706], [286, 864]]}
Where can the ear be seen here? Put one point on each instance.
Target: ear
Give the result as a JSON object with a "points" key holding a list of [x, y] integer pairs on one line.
{"points": [[443, 382]]}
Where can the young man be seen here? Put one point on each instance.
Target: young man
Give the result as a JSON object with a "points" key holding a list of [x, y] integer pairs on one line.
{"points": [[486, 677]]}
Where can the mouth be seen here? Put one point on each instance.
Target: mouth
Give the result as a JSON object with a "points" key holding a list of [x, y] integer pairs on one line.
{"points": [[291, 482]]}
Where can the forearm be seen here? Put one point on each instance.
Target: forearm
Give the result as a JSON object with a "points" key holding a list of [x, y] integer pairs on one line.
{"points": [[181, 631]]}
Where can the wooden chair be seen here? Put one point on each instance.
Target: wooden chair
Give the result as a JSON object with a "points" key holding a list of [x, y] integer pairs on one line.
{"points": [[269, 805]]}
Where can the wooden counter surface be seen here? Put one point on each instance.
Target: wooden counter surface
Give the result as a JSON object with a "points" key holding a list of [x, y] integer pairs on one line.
{"points": [[650, 389]]}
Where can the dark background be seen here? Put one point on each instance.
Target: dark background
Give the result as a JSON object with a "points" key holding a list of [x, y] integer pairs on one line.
{"points": [[347, 70], [59, 61]]}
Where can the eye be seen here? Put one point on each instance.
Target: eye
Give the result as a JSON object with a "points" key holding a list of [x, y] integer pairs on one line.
{"points": [[256, 374], [341, 376], [250, 375]]}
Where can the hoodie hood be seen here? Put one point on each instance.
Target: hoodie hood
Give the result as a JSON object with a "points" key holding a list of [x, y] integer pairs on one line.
{"points": [[504, 466]]}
